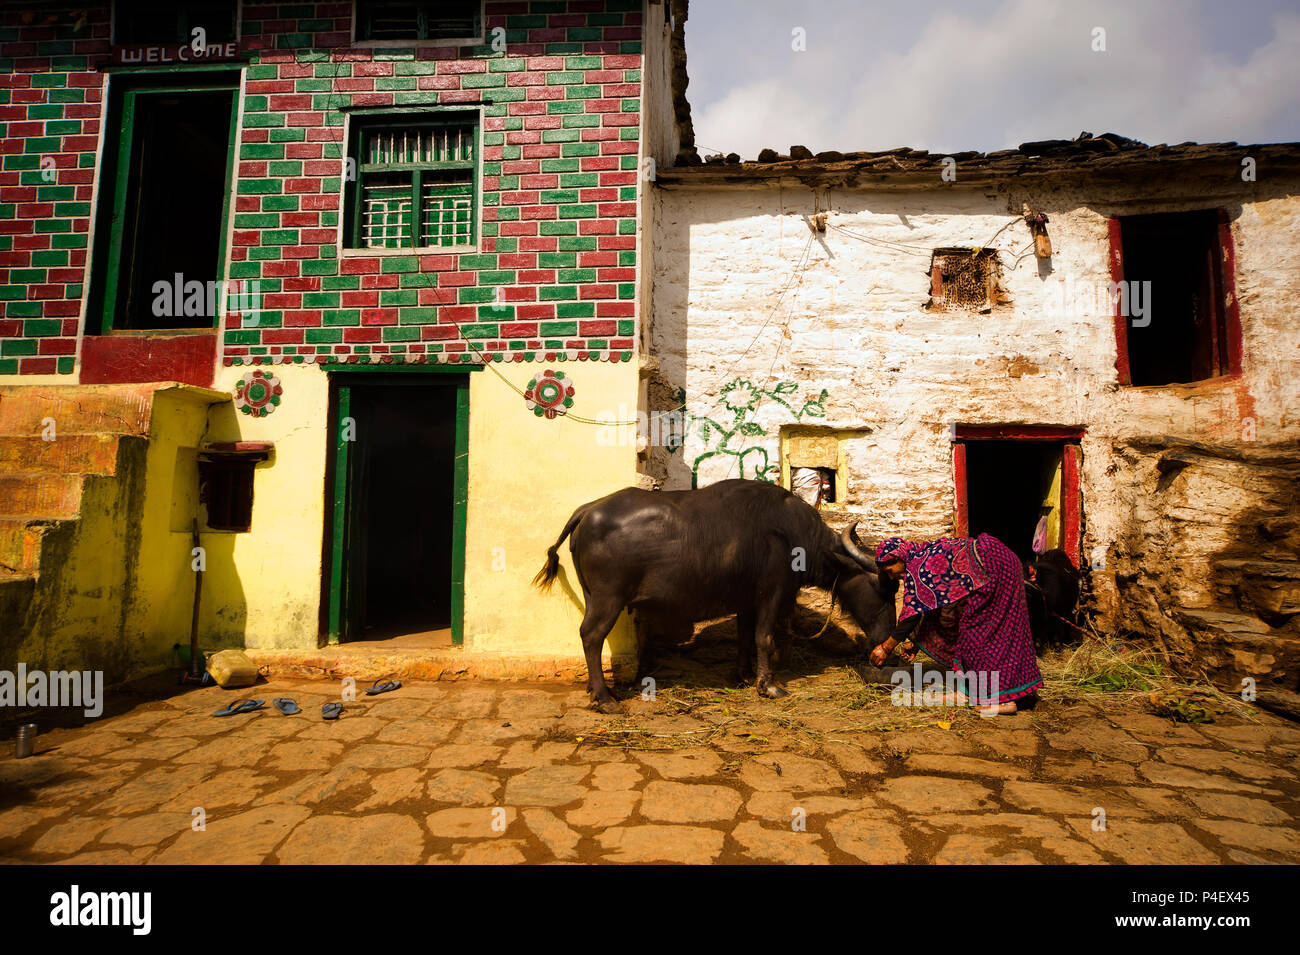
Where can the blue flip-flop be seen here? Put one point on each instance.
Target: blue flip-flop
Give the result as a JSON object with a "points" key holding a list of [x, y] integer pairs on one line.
{"points": [[286, 706], [386, 686], [240, 706], [331, 711]]}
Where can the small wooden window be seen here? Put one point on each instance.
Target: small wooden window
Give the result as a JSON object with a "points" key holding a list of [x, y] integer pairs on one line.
{"points": [[415, 184], [164, 22], [226, 492], [963, 279], [406, 20]]}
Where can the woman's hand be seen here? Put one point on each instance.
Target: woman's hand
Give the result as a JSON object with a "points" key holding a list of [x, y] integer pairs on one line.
{"points": [[881, 653], [907, 652]]}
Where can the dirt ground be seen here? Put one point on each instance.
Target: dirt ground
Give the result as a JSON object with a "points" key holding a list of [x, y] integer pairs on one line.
{"points": [[477, 772]]}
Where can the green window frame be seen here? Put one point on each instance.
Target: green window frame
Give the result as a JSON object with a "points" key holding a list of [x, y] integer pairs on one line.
{"points": [[405, 20], [416, 182]]}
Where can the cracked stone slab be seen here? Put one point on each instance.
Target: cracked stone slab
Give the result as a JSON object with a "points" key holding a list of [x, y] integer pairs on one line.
{"points": [[664, 801], [687, 845]]}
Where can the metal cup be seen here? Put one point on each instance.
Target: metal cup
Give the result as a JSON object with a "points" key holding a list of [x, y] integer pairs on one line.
{"points": [[25, 741]]}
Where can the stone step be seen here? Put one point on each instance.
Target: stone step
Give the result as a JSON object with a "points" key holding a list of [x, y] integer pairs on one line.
{"points": [[1234, 645], [40, 495], [1268, 588], [67, 454], [75, 409], [20, 543]]}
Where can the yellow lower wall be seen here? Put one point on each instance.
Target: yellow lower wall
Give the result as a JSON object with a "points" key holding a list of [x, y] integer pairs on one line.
{"points": [[526, 475]]}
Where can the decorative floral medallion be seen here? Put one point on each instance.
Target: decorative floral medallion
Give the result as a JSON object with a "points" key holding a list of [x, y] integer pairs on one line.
{"points": [[257, 393], [549, 394]]}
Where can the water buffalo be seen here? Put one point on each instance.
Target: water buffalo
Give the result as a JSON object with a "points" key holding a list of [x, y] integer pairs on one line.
{"points": [[1052, 593], [742, 547]]}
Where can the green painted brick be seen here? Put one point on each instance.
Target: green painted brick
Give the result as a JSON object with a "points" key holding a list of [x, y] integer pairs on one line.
{"points": [[42, 327], [575, 310], [570, 150], [417, 316], [557, 260], [583, 63], [565, 106], [383, 83], [559, 328], [577, 275], [399, 263], [17, 346], [260, 120], [280, 203], [259, 187], [398, 296], [316, 336], [577, 243], [320, 300], [484, 330], [578, 211], [289, 134], [484, 261], [560, 165], [320, 266], [261, 151], [507, 64], [505, 277], [558, 195], [472, 295], [557, 293], [582, 92], [566, 78], [343, 316], [626, 326], [580, 122], [551, 227]]}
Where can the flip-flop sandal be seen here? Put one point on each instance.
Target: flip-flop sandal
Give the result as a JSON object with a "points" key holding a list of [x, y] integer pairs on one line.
{"points": [[386, 686], [286, 706], [240, 706], [331, 711]]}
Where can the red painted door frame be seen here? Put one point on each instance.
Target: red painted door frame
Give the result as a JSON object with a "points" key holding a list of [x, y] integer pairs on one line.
{"points": [[1071, 469]]}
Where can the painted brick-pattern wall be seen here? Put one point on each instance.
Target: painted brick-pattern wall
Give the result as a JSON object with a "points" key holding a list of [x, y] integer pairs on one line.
{"points": [[50, 101], [554, 274], [561, 107]]}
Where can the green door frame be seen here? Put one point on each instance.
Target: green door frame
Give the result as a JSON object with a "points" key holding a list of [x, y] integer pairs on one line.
{"points": [[339, 544], [126, 140]]}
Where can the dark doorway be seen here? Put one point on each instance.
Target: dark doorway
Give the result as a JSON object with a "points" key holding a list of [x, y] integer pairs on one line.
{"points": [[1010, 486], [396, 536], [173, 213]]}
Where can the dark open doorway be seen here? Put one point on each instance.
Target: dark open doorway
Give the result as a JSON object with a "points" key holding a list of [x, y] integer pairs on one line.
{"points": [[398, 523], [1008, 481]]}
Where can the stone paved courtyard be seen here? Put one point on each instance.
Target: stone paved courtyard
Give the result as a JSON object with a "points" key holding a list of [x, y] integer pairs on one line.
{"points": [[477, 772]]}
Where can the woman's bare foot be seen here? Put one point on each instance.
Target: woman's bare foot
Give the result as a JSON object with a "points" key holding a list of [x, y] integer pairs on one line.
{"points": [[1002, 709]]}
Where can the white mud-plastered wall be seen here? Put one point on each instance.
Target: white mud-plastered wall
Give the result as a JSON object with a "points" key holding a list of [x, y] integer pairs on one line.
{"points": [[755, 313]]}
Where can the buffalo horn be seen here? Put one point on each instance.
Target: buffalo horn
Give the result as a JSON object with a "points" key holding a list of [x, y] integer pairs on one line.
{"points": [[847, 538]]}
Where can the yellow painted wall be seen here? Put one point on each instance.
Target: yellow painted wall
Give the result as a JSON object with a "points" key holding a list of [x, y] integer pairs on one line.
{"points": [[265, 584], [527, 474]]}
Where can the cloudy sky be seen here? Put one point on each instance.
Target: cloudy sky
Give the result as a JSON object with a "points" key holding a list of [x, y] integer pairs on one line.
{"points": [[990, 74]]}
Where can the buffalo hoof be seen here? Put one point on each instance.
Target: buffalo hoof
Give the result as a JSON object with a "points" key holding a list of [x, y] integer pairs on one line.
{"points": [[609, 707], [773, 692]]}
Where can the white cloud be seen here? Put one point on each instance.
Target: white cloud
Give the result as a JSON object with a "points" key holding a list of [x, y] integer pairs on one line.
{"points": [[1024, 70]]}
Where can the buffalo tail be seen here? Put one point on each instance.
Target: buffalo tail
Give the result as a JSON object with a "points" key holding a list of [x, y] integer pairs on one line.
{"points": [[551, 569]]}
